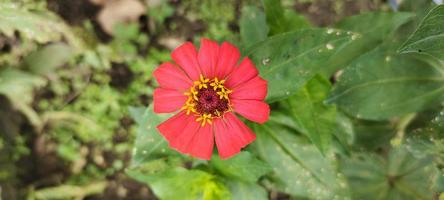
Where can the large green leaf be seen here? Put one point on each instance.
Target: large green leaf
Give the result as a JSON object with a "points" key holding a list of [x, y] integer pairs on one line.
{"points": [[399, 177], [382, 84], [253, 27], [183, 184], [314, 119], [287, 61], [429, 37], [299, 169], [375, 26], [243, 166], [149, 144], [382, 28]]}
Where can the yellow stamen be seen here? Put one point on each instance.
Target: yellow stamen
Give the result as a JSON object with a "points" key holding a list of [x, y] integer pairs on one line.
{"points": [[223, 94], [205, 118], [190, 105], [217, 84], [202, 82]]}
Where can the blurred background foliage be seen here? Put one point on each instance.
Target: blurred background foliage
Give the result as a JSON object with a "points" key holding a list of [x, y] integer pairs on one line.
{"points": [[75, 81]]}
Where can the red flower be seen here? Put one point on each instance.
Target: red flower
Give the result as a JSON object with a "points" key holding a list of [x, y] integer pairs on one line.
{"points": [[208, 87]]}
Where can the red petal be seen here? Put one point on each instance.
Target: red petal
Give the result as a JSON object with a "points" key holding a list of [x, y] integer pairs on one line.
{"points": [[228, 57], [187, 136], [186, 57], [253, 110], [172, 77], [245, 72], [184, 135], [208, 54], [231, 135], [202, 144], [166, 101], [173, 126], [254, 89]]}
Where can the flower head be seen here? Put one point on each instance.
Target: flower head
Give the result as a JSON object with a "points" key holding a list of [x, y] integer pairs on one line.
{"points": [[207, 88]]}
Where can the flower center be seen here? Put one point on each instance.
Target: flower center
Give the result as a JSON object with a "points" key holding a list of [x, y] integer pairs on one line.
{"points": [[207, 99]]}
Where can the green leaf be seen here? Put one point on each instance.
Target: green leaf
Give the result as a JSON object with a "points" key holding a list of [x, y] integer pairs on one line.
{"points": [[375, 26], [382, 84], [371, 135], [281, 20], [149, 144], [399, 177], [69, 191], [421, 8], [316, 120], [425, 136], [18, 86], [38, 26], [48, 58], [429, 37], [253, 27], [243, 166], [246, 191], [287, 61], [299, 169], [183, 184]]}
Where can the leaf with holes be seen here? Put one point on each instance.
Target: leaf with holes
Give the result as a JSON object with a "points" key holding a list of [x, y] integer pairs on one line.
{"points": [[287, 61]]}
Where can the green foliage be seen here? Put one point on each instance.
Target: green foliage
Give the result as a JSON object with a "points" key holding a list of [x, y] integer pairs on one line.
{"points": [[47, 59], [399, 85], [186, 184], [302, 54], [69, 191], [428, 38], [150, 144], [282, 20], [290, 155], [399, 176], [253, 27], [242, 167], [39, 26], [246, 191], [382, 24], [314, 119]]}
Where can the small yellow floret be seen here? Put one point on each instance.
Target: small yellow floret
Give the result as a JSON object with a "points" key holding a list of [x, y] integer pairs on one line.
{"points": [[223, 94], [205, 118]]}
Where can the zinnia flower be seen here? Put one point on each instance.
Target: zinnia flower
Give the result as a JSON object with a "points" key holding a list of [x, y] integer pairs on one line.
{"points": [[207, 88]]}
